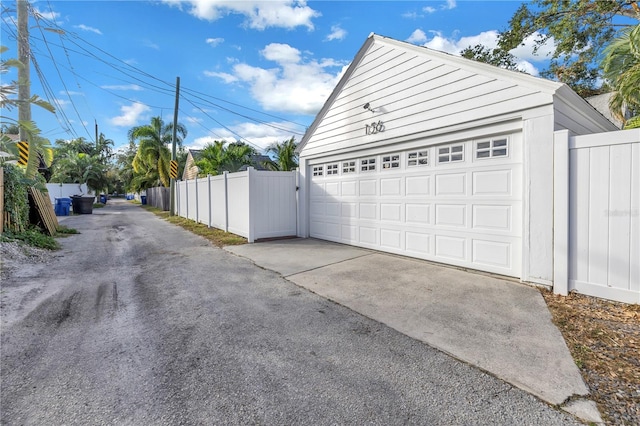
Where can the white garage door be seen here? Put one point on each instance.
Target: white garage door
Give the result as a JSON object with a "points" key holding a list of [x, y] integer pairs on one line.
{"points": [[458, 203]]}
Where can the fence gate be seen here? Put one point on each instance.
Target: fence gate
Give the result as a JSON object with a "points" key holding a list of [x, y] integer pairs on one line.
{"points": [[597, 214]]}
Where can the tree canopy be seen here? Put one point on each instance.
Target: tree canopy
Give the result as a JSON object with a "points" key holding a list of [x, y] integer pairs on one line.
{"points": [[578, 29]]}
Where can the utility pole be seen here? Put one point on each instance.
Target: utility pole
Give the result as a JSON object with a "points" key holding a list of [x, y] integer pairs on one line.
{"points": [[96, 121], [24, 80], [172, 187]]}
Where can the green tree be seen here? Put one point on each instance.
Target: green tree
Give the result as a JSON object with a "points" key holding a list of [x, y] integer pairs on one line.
{"points": [[286, 158], [621, 66], [153, 156], [80, 167], [579, 29]]}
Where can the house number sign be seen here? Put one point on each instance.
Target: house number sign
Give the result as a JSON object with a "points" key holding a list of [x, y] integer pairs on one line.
{"points": [[373, 128]]}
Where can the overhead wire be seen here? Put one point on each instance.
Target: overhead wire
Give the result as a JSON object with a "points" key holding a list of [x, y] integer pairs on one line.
{"points": [[141, 77]]}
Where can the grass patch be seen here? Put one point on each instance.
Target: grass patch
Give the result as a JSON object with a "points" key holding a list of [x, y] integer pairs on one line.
{"points": [[64, 231], [32, 237], [98, 205], [217, 236]]}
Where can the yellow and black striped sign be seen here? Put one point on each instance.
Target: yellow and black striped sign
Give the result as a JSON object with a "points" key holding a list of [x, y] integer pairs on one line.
{"points": [[173, 172], [23, 153]]}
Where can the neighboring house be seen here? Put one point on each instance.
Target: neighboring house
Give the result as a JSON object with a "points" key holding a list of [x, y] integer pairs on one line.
{"points": [[601, 103], [191, 170], [429, 155]]}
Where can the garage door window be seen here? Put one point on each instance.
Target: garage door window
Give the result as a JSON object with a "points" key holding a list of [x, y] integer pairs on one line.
{"points": [[391, 161], [332, 169], [492, 148], [368, 164], [418, 158], [451, 154], [318, 170], [348, 167]]}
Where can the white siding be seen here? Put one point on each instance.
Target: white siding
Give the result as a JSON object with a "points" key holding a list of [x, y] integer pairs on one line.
{"points": [[412, 93]]}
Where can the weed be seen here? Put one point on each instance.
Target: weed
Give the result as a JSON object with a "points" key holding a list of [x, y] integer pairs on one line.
{"points": [[32, 237]]}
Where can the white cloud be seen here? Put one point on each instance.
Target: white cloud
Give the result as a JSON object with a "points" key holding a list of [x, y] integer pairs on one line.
{"points": [[130, 114], [450, 4], [524, 53], [87, 28], [259, 135], [281, 53], [295, 84], [418, 36], [49, 15], [259, 14], [151, 45], [226, 77], [429, 9], [213, 42], [337, 33], [134, 87]]}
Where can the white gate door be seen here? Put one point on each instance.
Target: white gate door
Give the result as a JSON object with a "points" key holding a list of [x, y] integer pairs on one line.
{"points": [[458, 203]]}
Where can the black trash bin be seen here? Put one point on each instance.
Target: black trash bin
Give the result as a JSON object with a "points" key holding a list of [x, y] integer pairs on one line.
{"points": [[82, 205]]}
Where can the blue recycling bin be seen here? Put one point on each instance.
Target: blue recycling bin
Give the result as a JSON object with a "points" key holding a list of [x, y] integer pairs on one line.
{"points": [[143, 199], [62, 206], [103, 198]]}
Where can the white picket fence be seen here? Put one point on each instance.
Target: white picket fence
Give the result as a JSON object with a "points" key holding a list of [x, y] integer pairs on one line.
{"points": [[253, 204], [597, 214]]}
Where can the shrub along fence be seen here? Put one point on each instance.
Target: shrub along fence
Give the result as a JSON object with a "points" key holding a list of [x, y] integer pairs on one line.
{"points": [[253, 204]]}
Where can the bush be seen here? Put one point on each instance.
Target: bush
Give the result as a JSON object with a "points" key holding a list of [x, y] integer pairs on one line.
{"points": [[32, 237], [16, 199]]}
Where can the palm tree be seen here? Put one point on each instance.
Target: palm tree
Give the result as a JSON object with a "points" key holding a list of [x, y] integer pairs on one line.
{"points": [[621, 66], [216, 158], [40, 149], [80, 167], [153, 156], [286, 157]]}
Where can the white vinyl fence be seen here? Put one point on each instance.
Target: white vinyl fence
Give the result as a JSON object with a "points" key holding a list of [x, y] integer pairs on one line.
{"points": [[66, 190], [597, 214], [253, 204]]}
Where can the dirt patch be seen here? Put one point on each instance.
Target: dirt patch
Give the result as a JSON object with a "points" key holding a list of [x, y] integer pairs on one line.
{"points": [[604, 340]]}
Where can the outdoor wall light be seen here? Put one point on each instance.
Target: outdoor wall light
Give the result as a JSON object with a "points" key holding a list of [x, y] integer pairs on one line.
{"points": [[367, 106]]}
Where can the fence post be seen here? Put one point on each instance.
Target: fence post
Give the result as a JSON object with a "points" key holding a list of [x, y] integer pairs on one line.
{"points": [[226, 201], [250, 177], [209, 199], [561, 194], [197, 199], [186, 193]]}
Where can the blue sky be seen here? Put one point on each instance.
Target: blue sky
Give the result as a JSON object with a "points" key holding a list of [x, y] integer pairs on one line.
{"points": [[257, 71]]}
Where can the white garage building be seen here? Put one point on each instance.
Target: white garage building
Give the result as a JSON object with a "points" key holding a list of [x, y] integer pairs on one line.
{"points": [[433, 156]]}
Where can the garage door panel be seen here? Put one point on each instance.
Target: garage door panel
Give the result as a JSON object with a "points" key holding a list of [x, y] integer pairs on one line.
{"points": [[349, 233], [391, 212], [493, 182], [368, 187], [350, 210], [332, 209], [391, 238], [391, 186], [451, 184], [492, 253], [349, 188], [332, 188], [418, 185], [368, 211], [418, 213], [419, 243], [451, 215], [451, 247], [492, 217], [368, 235]]}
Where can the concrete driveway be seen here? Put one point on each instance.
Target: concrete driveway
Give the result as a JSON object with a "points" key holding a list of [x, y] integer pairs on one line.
{"points": [[500, 326]]}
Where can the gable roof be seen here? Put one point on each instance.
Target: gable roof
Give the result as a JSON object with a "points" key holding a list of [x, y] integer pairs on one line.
{"points": [[407, 55]]}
